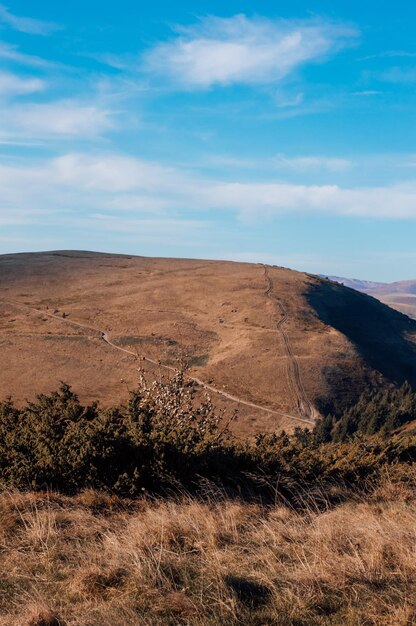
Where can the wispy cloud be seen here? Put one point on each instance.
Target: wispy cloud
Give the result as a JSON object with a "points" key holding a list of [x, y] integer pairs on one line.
{"points": [[12, 85], [307, 163], [399, 75], [11, 53], [259, 200], [313, 163], [367, 92], [389, 54], [26, 24], [226, 51], [228, 161], [113, 184], [285, 101], [64, 118]]}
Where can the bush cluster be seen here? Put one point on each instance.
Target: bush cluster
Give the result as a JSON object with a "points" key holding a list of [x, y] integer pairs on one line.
{"points": [[161, 437], [377, 412], [165, 440]]}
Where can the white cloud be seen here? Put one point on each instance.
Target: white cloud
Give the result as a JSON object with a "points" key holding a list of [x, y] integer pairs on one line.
{"points": [[130, 203], [257, 200], [284, 102], [310, 163], [79, 184], [241, 50], [26, 24], [162, 227], [65, 118], [11, 85], [114, 173], [367, 92], [226, 161], [313, 163]]}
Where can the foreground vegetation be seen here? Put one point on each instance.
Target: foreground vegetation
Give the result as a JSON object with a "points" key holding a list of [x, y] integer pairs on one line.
{"points": [[167, 441], [153, 514], [377, 412], [95, 560]]}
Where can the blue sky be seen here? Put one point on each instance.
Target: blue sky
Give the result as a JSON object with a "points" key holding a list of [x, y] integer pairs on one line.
{"points": [[285, 135]]}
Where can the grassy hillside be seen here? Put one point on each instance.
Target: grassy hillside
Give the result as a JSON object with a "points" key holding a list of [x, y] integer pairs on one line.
{"points": [[295, 343], [97, 560]]}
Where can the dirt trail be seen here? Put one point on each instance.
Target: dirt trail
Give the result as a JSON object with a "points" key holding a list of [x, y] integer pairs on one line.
{"points": [[102, 334], [304, 405]]}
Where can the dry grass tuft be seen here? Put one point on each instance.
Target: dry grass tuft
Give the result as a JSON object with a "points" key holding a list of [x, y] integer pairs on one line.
{"points": [[69, 561], [43, 617]]}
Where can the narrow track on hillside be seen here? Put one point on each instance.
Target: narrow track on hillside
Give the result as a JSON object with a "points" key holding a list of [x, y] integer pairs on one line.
{"points": [[304, 405], [103, 335]]}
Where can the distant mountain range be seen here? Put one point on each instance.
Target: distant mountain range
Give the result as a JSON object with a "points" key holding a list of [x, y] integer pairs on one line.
{"points": [[400, 295]]}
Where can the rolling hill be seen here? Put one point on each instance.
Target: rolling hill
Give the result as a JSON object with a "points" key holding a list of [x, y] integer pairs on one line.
{"points": [[400, 295], [280, 346]]}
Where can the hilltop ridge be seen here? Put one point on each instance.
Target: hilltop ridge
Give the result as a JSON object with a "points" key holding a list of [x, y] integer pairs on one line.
{"points": [[281, 346]]}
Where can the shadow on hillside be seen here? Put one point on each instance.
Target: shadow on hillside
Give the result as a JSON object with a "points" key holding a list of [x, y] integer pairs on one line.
{"points": [[380, 334]]}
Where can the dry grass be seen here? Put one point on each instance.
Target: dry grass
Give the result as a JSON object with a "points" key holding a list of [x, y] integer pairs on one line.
{"points": [[215, 313], [93, 560]]}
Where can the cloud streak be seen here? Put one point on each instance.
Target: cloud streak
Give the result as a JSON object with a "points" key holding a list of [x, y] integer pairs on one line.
{"points": [[26, 24], [239, 50], [314, 163], [60, 119], [10, 53], [80, 184], [12, 85]]}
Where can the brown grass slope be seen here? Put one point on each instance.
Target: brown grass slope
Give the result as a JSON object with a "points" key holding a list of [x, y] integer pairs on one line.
{"points": [[94, 560], [265, 344]]}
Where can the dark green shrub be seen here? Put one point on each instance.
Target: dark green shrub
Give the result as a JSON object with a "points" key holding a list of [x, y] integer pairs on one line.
{"points": [[164, 440], [378, 412]]}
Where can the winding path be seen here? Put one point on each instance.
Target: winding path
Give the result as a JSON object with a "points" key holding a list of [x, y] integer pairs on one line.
{"points": [[304, 405], [103, 335]]}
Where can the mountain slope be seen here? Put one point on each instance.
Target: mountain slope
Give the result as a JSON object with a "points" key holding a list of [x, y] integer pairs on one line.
{"points": [[400, 295], [271, 338]]}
